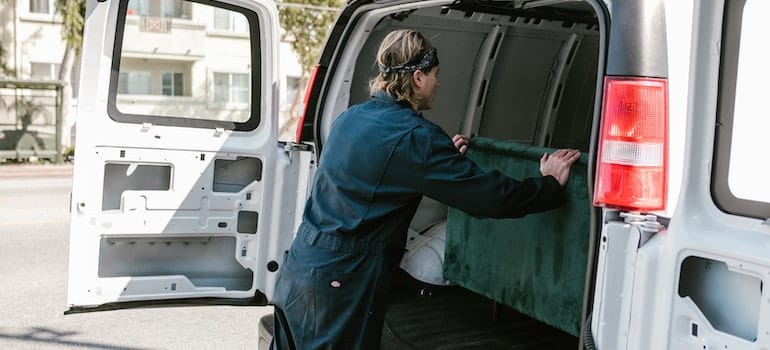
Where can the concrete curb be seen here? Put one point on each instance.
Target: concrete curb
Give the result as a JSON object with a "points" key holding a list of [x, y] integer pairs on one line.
{"points": [[15, 171]]}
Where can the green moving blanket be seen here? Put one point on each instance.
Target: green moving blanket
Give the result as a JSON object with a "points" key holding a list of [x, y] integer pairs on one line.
{"points": [[535, 264]]}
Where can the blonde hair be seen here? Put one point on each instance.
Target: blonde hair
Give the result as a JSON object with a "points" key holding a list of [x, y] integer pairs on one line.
{"points": [[399, 47]]}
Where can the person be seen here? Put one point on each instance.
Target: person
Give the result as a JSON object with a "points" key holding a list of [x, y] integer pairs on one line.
{"points": [[380, 158]]}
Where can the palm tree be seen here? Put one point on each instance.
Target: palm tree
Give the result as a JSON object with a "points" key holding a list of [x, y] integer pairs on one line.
{"points": [[72, 13]]}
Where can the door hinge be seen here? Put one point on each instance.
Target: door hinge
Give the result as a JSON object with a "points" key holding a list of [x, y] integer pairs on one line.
{"points": [[293, 146], [647, 223]]}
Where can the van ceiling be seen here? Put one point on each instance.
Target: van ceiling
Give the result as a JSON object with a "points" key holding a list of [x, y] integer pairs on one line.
{"points": [[572, 11]]}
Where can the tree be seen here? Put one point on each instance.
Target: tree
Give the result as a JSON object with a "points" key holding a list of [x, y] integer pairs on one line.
{"points": [[305, 24], [72, 14], [4, 70]]}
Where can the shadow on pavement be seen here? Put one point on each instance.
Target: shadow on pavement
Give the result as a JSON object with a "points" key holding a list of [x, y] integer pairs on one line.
{"points": [[52, 336]]}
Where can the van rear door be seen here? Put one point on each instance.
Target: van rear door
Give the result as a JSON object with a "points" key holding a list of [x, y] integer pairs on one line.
{"points": [[181, 192], [699, 282], [719, 235]]}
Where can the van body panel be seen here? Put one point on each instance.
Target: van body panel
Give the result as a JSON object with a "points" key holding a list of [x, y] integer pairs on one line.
{"points": [[698, 281], [614, 275], [721, 259], [178, 189], [679, 22]]}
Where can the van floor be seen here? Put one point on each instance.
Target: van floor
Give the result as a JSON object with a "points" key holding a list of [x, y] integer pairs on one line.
{"points": [[446, 318]]}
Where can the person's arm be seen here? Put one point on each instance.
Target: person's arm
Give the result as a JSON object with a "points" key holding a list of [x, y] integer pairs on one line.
{"points": [[451, 178]]}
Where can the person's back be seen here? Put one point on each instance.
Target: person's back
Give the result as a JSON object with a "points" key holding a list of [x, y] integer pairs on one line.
{"points": [[358, 165]]}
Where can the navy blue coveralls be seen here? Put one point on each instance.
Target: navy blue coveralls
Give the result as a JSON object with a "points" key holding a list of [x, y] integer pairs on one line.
{"points": [[381, 157]]}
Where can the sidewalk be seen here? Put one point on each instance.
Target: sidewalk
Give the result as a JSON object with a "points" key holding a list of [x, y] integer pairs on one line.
{"points": [[16, 171]]}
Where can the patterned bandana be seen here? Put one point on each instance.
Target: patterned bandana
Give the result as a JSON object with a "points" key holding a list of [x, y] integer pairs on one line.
{"points": [[429, 59]]}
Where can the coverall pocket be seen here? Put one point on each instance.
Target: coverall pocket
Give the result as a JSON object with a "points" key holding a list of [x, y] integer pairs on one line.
{"points": [[294, 298], [345, 300]]}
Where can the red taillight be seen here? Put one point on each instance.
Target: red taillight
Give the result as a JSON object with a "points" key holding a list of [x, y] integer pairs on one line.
{"points": [[632, 166], [308, 88]]}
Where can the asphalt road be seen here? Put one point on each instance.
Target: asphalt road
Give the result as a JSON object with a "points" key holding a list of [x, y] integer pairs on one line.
{"points": [[34, 235]]}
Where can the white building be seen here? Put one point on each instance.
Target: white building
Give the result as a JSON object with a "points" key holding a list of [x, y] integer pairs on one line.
{"points": [[203, 71], [31, 36]]}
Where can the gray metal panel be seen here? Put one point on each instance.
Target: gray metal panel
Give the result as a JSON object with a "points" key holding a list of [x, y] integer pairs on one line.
{"points": [[638, 39], [516, 92], [457, 53], [366, 69], [118, 178], [205, 261], [729, 299], [576, 107]]}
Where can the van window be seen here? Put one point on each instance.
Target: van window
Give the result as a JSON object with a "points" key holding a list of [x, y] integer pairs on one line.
{"points": [[740, 173], [186, 63]]}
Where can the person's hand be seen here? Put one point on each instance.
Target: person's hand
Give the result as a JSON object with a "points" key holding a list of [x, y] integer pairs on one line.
{"points": [[558, 163], [461, 142]]}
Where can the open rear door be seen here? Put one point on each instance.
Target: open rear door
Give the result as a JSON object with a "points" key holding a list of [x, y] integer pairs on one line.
{"points": [[181, 192]]}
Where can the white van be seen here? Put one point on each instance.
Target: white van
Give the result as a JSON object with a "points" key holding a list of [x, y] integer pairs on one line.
{"points": [[184, 195]]}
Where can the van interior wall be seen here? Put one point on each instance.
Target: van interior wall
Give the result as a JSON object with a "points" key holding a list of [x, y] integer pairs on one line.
{"points": [[458, 44], [542, 85]]}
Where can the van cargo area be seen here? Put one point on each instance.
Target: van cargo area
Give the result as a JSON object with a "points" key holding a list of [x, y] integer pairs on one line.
{"points": [[520, 78], [421, 316], [424, 317]]}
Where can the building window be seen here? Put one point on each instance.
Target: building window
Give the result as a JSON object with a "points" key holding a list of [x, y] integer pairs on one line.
{"points": [[176, 9], [231, 88], [164, 8], [40, 6], [230, 21], [138, 7], [44, 71], [151, 82], [173, 84], [135, 83]]}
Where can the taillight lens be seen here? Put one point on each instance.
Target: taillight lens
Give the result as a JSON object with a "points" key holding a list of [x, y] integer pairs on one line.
{"points": [[632, 167], [308, 88]]}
